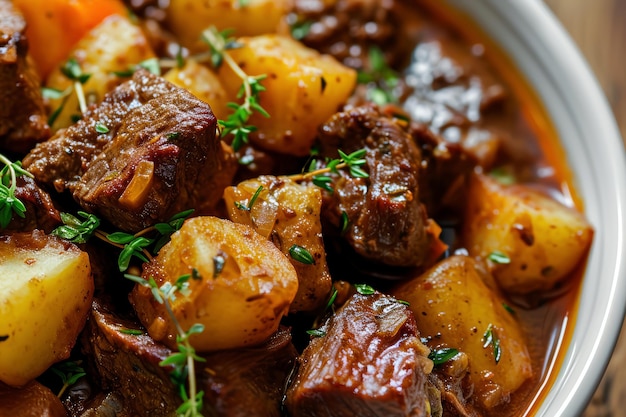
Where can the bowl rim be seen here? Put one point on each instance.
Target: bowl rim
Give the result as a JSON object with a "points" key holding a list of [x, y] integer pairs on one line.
{"points": [[536, 42]]}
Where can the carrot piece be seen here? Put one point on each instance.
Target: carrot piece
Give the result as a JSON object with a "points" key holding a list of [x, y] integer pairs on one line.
{"points": [[54, 26]]}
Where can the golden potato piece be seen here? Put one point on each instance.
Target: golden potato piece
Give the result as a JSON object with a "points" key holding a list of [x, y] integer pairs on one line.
{"points": [[541, 239], [304, 88], [200, 81], [288, 214], [188, 18], [454, 308], [115, 45], [46, 294], [242, 285]]}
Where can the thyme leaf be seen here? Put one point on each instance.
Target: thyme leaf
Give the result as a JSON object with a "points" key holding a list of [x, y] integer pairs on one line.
{"points": [[9, 204], [182, 362], [69, 372], [491, 338], [498, 257], [364, 289], [76, 230], [236, 123], [301, 255]]}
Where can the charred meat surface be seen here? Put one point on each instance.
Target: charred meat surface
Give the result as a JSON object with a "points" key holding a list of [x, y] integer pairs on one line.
{"points": [[146, 153], [23, 119], [387, 221], [240, 382], [367, 361]]}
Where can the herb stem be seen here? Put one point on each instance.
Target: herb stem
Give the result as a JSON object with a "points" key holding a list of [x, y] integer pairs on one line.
{"points": [[191, 364], [308, 175], [105, 238], [80, 93]]}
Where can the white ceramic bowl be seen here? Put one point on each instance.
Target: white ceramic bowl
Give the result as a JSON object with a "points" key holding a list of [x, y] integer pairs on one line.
{"points": [[535, 41]]}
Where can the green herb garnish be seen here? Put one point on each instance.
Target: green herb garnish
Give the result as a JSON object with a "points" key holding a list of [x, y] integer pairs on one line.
{"points": [[380, 79], [441, 356], [364, 289], [316, 333], [69, 372], [9, 203], [498, 257], [183, 374], [490, 338], [236, 124], [301, 255]]}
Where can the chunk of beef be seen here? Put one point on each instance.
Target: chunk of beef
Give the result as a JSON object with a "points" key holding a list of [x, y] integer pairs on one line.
{"points": [[23, 120], [348, 29], [236, 383], [159, 156], [445, 171], [368, 363], [41, 212], [387, 221], [31, 400]]}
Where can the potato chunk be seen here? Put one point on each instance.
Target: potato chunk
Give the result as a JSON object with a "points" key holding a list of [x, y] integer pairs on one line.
{"points": [[288, 214], [242, 285], [542, 240], [114, 46], [200, 81], [188, 18], [454, 308], [46, 294], [304, 88]]}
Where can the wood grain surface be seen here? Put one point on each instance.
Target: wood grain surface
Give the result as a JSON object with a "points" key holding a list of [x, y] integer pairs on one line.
{"points": [[599, 29]]}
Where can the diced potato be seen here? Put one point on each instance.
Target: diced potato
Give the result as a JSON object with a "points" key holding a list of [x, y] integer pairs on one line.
{"points": [[113, 46], [243, 285], [46, 294], [288, 214], [188, 18], [543, 241], [454, 309], [203, 83], [304, 88], [54, 26]]}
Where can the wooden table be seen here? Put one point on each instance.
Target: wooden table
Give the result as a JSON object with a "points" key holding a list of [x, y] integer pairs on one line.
{"points": [[599, 29]]}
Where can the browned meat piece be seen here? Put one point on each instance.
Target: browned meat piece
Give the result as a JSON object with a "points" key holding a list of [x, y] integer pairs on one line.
{"points": [[23, 120], [40, 210], [369, 362], [387, 221], [31, 400], [128, 364], [160, 155], [347, 29], [445, 171], [236, 383]]}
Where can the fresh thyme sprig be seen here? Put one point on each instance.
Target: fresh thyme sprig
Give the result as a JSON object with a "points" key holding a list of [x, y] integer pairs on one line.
{"points": [[71, 69], [69, 372], [353, 162], [9, 203], [133, 245], [381, 81], [236, 124], [183, 361]]}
